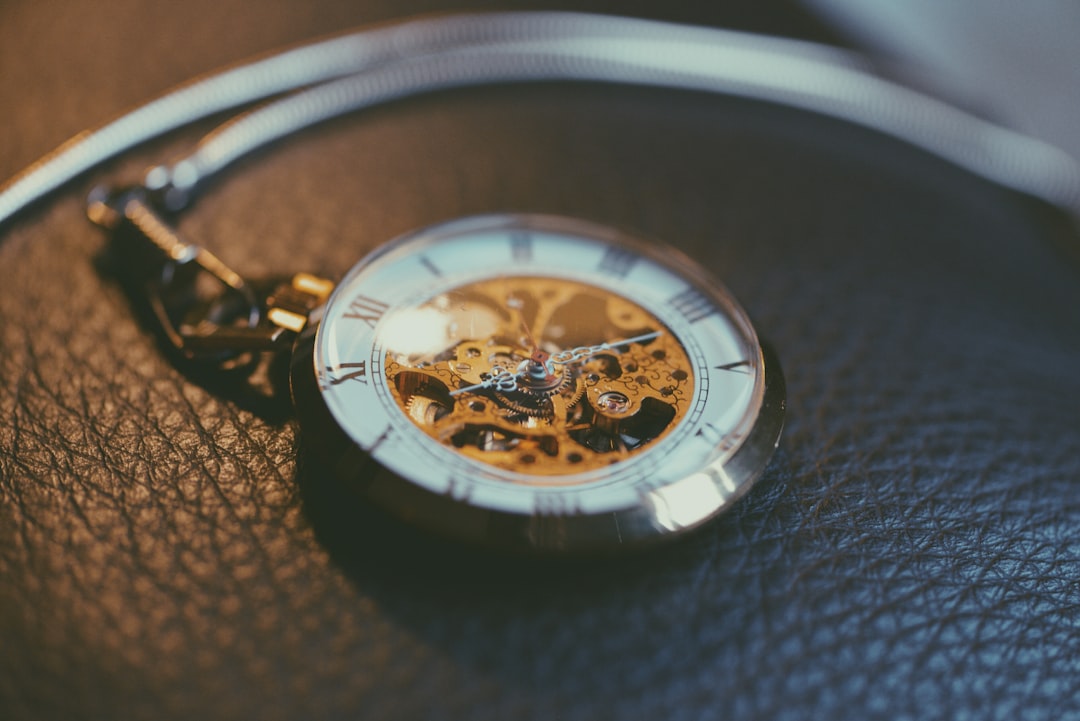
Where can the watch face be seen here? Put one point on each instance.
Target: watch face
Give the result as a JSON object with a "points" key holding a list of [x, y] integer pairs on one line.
{"points": [[545, 382]]}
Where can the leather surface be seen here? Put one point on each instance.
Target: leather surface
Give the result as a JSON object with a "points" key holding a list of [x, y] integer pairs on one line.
{"points": [[912, 552]]}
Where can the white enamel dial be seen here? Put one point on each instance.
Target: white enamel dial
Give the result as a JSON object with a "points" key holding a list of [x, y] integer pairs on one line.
{"points": [[543, 382]]}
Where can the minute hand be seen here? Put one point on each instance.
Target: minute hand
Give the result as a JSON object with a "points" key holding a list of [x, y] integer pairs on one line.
{"points": [[572, 355]]}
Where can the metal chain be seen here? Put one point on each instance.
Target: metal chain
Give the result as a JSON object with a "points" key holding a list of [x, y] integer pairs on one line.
{"points": [[375, 65]]}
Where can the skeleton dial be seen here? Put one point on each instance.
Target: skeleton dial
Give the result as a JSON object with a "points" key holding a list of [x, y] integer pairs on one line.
{"points": [[529, 365]]}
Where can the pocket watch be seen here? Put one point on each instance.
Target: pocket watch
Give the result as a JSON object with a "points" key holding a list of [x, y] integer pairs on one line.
{"points": [[527, 382], [538, 382]]}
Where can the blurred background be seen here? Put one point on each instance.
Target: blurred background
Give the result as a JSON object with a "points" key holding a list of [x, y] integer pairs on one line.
{"points": [[913, 550]]}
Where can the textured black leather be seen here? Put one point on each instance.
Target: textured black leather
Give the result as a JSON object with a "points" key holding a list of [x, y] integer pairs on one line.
{"points": [[913, 551]]}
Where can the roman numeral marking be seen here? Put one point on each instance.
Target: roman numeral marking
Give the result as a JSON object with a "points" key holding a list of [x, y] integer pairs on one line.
{"points": [[347, 372], [742, 366], [383, 438], [692, 305], [521, 247], [434, 269], [366, 309], [460, 489], [617, 261], [557, 504]]}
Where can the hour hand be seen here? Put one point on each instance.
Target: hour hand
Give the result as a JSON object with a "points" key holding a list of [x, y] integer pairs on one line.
{"points": [[501, 380]]}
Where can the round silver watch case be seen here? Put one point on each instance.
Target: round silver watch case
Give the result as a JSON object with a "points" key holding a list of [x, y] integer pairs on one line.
{"points": [[538, 383]]}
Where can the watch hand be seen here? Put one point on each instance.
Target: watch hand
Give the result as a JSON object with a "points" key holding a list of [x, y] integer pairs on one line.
{"points": [[501, 380], [506, 382], [535, 353], [537, 369], [572, 355]]}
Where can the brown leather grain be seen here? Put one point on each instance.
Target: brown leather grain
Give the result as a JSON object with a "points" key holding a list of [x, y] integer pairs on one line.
{"points": [[912, 552]]}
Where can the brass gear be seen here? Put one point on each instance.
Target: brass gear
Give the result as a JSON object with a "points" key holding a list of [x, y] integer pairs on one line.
{"points": [[424, 411], [533, 401]]}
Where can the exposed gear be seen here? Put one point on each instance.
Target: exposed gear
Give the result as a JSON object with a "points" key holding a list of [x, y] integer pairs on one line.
{"points": [[424, 411], [546, 377], [537, 402]]}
